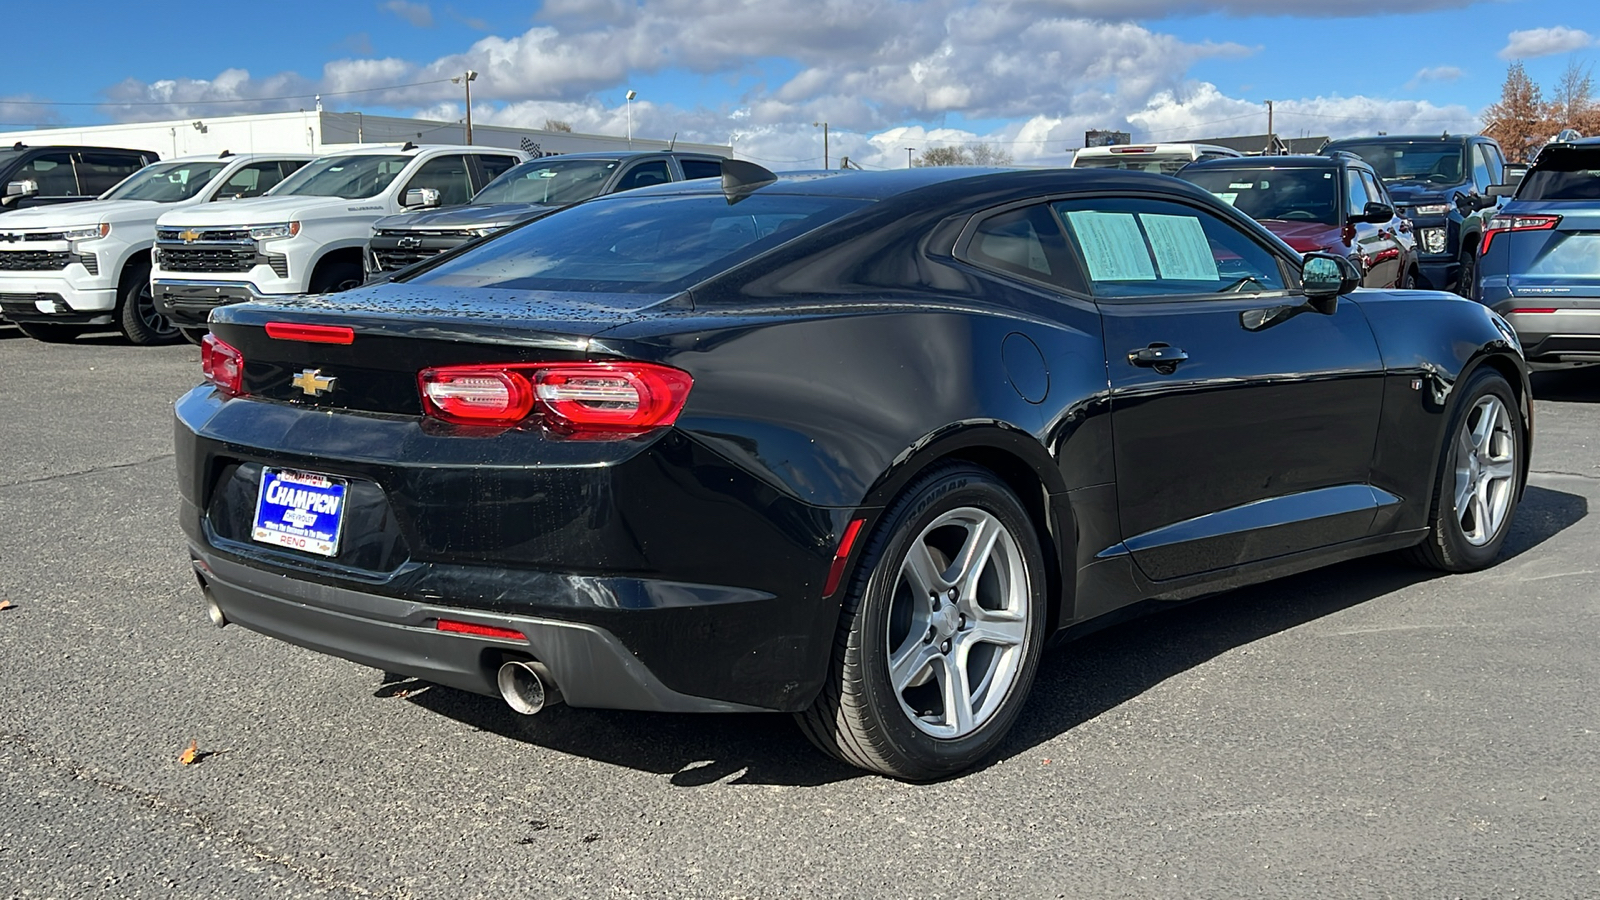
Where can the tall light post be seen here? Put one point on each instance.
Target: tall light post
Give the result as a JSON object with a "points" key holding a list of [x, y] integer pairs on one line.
{"points": [[629, 98], [824, 127], [909, 163], [466, 79]]}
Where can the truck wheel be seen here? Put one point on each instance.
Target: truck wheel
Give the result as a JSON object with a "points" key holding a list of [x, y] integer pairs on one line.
{"points": [[1467, 281], [51, 332], [337, 277], [136, 310], [940, 632]]}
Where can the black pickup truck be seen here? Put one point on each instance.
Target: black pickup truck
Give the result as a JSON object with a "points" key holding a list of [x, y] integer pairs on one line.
{"points": [[528, 191], [1440, 182], [38, 176]]}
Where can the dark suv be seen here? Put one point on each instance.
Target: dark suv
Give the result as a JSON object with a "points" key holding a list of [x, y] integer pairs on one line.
{"points": [[1329, 204], [36, 176], [528, 191], [1442, 183]]}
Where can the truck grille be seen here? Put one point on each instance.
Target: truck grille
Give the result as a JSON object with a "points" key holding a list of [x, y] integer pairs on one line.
{"points": [[31, 236], [203, 235], [208, 259], [34, 260], [390, 260]]}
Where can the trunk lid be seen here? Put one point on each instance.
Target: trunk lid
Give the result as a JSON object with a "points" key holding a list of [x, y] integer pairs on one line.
{"points": [[397, 330], [1560, 262]]}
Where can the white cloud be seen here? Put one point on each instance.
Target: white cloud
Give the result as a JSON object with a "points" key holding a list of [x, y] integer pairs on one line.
{"points": [[1156, 9], [1536, 42], [418, 14], [1434, 74]]}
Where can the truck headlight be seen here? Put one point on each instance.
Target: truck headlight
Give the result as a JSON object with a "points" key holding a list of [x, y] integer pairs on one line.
{"points": [[1432, 209], [1433, 240], [268, 232], [88, 232]]}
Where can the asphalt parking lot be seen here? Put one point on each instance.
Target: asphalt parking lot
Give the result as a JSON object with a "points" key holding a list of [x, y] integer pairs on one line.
{"points": [[1368, 730]]}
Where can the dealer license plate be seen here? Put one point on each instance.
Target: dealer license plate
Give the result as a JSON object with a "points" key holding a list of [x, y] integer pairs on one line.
{"points": [[300, 510]]}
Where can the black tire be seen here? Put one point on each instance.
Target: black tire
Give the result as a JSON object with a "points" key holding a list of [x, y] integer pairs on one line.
{"points": [[1408, 279], [859, 717], [1448, 546], [52, 332], [194, 335], [137, 316], [335, 277], [1467, 281]]}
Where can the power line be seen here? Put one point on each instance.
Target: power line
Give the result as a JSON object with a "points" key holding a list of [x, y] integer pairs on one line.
{"points": [[392, 87]]}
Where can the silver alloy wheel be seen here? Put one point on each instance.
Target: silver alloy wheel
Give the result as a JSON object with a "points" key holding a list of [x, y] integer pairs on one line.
{"points": [[1486, 470], [958, 623]]}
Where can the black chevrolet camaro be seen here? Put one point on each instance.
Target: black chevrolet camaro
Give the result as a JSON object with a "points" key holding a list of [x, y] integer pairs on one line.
{"points": [[851, 446]]}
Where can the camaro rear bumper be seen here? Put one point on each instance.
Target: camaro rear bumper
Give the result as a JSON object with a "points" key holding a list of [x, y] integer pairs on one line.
{"points": [[589, 664]]}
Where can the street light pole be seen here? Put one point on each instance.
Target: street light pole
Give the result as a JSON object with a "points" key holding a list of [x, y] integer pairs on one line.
{"points": [[909, 151], [824, 127], [629, 98], [467, 79]]}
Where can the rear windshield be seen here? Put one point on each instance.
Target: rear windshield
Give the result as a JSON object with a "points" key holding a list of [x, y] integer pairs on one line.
{"points": [[1159, 163], [1434, 162], [658, 244], [554, 182], [1289, 195], [1563, 175]]}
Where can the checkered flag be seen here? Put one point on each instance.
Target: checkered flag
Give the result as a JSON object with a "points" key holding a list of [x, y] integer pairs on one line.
{"points": [[531, 146]]}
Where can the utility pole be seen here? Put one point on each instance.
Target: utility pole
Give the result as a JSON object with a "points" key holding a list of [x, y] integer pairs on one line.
{"points": [[824, 127], [629, 98], [909, 163], [1270, 132], [466, 79]]}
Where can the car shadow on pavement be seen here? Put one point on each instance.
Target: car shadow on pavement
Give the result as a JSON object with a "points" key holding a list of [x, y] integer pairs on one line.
{"points": [[1579, 385], [1075, 684]]}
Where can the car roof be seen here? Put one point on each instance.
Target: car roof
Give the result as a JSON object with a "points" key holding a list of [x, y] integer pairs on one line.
{"points": [[621, 154], [1278, 162], [985, 185], [391, 149], [232, 157], [20, 146], [1408, 139]]}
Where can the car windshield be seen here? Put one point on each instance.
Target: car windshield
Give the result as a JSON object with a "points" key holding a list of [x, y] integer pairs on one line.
{"points": [[1149, 162], [1396, 161], [1291, 195], [1566, 174], [657, 244], [350, 177], [555, 182], [166, 182]]}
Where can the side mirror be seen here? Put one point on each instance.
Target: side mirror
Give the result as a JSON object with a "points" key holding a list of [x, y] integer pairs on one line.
{"points": [[1375, 212], [421, 198], [1325, 278], [24, 188], [1502, 190]]}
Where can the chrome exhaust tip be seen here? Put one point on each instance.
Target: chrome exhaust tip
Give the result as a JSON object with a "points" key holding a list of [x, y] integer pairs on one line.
{"points": [[213, 611], [525, 688]]}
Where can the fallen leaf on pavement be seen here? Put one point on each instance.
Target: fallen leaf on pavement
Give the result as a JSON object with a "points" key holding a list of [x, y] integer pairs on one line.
{"points": [[190, 755], [7, 604]]}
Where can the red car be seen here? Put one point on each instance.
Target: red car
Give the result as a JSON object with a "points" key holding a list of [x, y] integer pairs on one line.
{"points": [[1329, 204]]}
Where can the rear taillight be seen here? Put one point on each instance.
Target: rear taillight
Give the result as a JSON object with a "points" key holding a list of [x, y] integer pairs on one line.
{"points": [[609, 398], [1503, 223], [222, 365]]}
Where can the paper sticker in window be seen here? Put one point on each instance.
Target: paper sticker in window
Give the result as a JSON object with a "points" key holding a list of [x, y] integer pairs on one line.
{"points": [[1180, 246], [1227, 196], [1112, 246]]}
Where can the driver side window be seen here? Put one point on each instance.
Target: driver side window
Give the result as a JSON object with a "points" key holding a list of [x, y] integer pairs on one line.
{"points": [[1135, 247], [448, 176]]}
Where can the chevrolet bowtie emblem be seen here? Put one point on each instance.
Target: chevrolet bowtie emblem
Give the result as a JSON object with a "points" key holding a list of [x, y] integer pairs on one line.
{"points": [[189, 236], [312, 383]]}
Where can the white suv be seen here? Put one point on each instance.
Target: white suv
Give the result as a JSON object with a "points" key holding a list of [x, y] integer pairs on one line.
{"points": [[68, 268], [309, 234]]}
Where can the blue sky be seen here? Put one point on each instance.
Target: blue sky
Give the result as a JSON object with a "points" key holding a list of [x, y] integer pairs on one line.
{"points": [[887, 74]]}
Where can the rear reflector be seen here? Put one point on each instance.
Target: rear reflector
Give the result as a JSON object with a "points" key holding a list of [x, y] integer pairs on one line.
{"points": [[840, 557], [1534, 309], [314, 334], [590, 397], [477, 630], [222, 365]]}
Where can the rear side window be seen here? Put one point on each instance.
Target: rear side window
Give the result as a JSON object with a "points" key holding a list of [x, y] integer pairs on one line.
{"points": [[700, 168], [1152, 248], [1563, 175], [644, 175], [1025, 242], [643, 245]]}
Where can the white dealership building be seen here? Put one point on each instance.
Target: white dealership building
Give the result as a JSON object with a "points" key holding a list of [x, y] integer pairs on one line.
{"points": [[321, 132]]}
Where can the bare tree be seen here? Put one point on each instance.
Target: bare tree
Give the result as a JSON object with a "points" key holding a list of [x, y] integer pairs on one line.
{"points": [[557, 125], [1519, 120], [1572, 103], [974, 154]]}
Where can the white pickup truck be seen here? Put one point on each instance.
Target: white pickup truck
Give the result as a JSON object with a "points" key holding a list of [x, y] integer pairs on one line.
{"points": [[70, 268], [308, 236]]}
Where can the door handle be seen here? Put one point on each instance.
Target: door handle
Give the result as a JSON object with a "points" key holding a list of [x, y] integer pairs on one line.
{"points": [[1161, 357]]}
